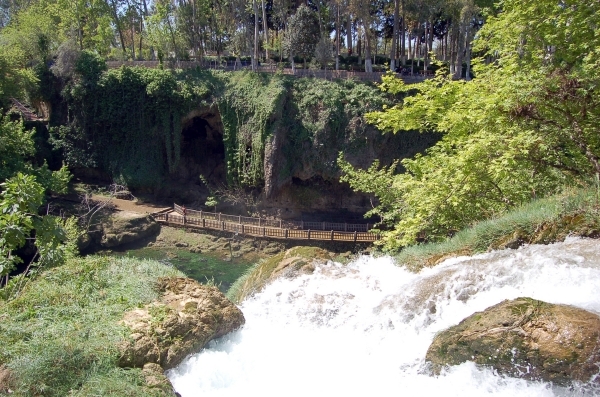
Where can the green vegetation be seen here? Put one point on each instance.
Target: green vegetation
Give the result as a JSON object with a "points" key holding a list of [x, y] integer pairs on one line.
{"points": [[543, 221], [525, 128], [60, 336]]}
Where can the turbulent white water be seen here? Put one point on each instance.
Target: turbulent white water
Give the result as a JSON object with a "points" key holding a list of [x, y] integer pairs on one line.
{"points": [[364, 328]]}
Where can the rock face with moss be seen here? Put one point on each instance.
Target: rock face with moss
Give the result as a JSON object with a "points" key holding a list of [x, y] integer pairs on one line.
{"points": [[124, 227], [187, 316], [525, 338], [291, 263]]}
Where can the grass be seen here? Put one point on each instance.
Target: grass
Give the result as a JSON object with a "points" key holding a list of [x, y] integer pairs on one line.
{"points": [[60, 336], [543, 221]]}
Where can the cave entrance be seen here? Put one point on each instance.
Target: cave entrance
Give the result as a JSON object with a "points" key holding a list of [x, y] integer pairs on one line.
{"points": [[202, 148]]}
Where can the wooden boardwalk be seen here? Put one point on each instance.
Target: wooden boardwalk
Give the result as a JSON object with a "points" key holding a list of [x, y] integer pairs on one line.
{"points": [[259, 227]]}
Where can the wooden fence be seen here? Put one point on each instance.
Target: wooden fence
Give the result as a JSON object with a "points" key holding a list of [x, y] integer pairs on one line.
{"points": [[230, 223], [276, 223], [317, 73]]}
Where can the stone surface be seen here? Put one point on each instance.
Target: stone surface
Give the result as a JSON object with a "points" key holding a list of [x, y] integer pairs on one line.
{"points": [[525, 338], [156, 379], [127, 227], [187, 316]]}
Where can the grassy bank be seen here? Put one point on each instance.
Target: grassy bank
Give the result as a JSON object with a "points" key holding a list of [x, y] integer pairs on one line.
{"points": [[59, 337], [543, 221]]}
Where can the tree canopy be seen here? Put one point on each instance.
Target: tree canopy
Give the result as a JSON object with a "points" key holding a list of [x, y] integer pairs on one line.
{"points": [[526, 127]]}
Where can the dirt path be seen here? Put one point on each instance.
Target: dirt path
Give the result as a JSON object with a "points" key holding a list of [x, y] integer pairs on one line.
{"points": [[131, 206]]}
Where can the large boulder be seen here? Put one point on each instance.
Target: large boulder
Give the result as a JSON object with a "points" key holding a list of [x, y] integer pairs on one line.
{"points": [[187, 316], [126, 227], [525, 338]]}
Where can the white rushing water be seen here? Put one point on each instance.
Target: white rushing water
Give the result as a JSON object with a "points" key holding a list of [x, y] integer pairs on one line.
{"points": [[363, 329]]}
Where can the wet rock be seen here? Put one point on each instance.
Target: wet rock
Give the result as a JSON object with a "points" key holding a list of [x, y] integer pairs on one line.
{"points": [[187, 316], [292, 263], [525, 338], [156, 379]]}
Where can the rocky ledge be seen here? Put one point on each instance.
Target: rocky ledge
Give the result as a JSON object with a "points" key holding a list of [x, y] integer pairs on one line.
{"points": [[163, 333], [525, 338]]}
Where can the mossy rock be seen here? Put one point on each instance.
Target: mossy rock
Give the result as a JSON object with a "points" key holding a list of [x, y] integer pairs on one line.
{"points": [[127, 227], [291, 263], [525, 338]]}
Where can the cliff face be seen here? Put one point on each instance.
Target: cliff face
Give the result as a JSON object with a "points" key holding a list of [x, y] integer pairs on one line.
{"points": [[274, 136], [287, 150]]}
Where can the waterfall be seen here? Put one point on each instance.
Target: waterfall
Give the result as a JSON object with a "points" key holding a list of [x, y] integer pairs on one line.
{"points": [[364, 328]]}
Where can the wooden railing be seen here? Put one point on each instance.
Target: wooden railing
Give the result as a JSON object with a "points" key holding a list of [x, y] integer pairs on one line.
{"points": [[276, 223], [317, 73], [237, 224]]}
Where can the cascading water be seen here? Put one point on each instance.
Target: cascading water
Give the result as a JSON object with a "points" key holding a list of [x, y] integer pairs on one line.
{"points": [[364, 328]]}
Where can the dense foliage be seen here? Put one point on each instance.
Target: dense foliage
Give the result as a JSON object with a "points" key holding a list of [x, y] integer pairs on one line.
{"points": [[22, 191], [524, 128], [60, 336]]}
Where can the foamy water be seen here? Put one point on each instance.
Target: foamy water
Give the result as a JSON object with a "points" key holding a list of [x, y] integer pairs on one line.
{"points": [[364, 328]]}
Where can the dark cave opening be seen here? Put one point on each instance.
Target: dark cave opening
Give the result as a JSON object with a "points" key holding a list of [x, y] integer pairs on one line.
{"points": [[202, 149]]}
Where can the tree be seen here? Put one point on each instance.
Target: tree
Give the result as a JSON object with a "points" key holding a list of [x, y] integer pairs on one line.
{"points": [[527, 126], [302, 34], [22, 191]]}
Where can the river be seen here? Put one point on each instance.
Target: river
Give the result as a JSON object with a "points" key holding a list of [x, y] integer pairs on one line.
{"points": [[364, 328]]}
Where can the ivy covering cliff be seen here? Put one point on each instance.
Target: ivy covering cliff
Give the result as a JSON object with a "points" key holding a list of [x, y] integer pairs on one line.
{"points": [[126, 122]]}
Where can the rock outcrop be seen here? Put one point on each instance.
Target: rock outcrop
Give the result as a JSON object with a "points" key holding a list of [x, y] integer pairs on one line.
{"points": [[525, 338], [187, 316], [122, 228], [291, 263]]}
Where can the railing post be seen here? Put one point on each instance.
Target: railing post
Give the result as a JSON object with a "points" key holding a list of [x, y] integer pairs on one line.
{"points": [[259, 221], [345, 227], [332, 235], [280, 224], [309, 234], [264, 232], [222, 225], [167, 217], [203, 223], [239, 219], [200, 214], [302, 224], [355, 236], [323, 226], [242, 228], [367, 227], [184, 220], [219, 217], [286, 233]]}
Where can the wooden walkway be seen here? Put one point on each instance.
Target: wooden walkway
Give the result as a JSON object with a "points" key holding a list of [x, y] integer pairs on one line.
{"points": [[259, 227], [26, 112]]}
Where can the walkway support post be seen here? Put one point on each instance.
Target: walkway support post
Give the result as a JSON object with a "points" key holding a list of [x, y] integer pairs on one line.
{"points": [[355, 236], [332, 235], [309, 234], [203, 223], [286, 233]]}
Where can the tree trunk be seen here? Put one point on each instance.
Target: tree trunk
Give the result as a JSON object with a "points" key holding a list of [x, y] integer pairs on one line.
{"points": [[255, 53], [460, 48], [368, 65], [118, 26], [349, 34], [266, 31], [403, 42], [338, 27], [394, 35]]}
